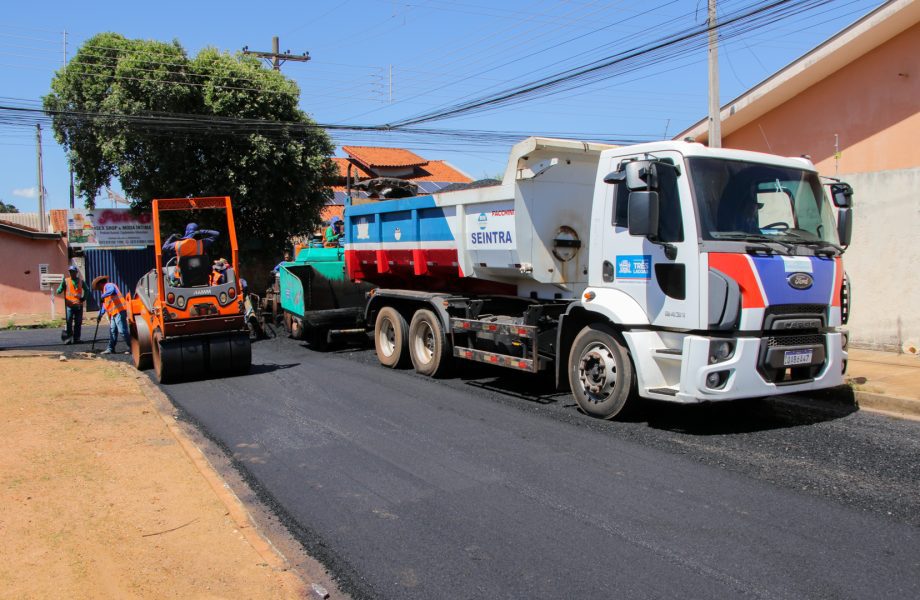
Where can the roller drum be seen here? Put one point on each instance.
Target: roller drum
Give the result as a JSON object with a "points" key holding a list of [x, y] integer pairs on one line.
{"points": [[241, 353], [221, 358]]}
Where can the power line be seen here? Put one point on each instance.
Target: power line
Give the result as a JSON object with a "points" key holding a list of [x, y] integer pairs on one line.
{"points": [[628, 60]]}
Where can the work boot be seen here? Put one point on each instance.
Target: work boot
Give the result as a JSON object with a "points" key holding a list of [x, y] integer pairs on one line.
{"points": [[68, 342]]}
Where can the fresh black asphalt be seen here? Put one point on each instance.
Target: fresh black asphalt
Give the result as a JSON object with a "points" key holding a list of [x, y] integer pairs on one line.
{"points": [[490, 485]]}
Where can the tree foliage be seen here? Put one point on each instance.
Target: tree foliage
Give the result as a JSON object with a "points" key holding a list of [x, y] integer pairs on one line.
{"points": [[278, 179], [7, 208]]}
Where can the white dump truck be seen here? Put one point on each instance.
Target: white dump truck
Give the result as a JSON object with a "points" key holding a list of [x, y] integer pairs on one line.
{"points": [[668, 270]]}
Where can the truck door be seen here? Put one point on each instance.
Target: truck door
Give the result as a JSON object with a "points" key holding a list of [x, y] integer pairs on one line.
{"points": [[661, 274]]}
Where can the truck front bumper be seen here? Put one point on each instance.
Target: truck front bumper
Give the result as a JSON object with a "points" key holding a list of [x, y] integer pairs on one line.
{"points": [[756, 369]]}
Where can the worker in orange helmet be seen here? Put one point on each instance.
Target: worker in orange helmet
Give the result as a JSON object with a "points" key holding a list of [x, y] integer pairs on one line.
{"points": [[115, 306]]}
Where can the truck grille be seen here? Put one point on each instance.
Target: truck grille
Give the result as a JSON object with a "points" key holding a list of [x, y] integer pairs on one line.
{"points": [[795, 340], [845, 300], [797, 309]]}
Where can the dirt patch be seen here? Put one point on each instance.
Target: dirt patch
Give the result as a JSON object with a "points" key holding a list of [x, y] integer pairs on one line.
{"points": [[100, 500]]}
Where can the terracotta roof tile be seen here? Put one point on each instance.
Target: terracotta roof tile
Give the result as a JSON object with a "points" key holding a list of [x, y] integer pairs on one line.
{"points": [[439, 170], [384, 157], [331, 210], [59, 220], [342, 165]]}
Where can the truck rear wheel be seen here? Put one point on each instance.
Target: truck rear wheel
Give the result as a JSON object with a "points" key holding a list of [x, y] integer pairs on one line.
{"points": [[428, 344], [390, 338], [600, 372]]}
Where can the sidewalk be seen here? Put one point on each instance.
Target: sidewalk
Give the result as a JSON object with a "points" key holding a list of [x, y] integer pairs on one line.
{"points": [[103, 496], [885, 382]]}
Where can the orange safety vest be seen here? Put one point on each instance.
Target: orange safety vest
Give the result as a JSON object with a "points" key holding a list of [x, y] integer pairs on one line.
{"points": [[114, 304], [215, 278], [189, 247], [73, 292]]}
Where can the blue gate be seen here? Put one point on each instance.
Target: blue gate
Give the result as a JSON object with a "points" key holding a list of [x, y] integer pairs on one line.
{"points": [[124, 268]]}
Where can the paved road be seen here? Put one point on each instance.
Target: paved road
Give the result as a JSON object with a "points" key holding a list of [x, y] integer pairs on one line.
{"points": [[484, 486]]}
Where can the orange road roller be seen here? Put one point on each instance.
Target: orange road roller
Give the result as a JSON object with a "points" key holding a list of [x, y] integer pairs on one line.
{"points": [[184, 321]]}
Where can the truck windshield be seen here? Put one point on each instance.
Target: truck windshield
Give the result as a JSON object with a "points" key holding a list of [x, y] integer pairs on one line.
{"points": [[741, 200]]}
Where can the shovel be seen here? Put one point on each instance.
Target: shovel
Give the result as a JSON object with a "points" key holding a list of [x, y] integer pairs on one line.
{"points": [[93, 346]]}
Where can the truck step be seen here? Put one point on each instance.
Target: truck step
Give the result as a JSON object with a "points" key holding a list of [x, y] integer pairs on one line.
{"points": [[664, 391], [492, 358], [669, 351]]}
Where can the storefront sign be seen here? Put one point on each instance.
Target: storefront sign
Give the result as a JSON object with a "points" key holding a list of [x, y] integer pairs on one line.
{"points": [[109, 228]]}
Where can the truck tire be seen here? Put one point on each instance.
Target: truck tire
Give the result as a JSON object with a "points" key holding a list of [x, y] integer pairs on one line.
{"points": [[391, 338], [600, 372], [428, 345]]}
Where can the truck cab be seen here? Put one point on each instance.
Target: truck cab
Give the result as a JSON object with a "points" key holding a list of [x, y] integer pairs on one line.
{"points": [[721, 268]]}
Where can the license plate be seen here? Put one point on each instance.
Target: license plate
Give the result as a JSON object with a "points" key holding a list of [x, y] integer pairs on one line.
{"points": [[797, 357]]}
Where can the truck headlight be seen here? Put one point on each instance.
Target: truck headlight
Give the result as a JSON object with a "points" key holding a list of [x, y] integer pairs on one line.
{"points": [[720, 350]]}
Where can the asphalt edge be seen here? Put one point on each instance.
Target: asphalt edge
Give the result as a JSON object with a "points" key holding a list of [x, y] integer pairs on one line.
{"points": [[264, 547]]}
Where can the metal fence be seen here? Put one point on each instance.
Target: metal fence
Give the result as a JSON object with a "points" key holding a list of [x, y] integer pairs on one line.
{"points": [[124, 268]]}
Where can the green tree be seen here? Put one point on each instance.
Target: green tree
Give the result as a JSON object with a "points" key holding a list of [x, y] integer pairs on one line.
{"points": [[7, 208], [165, 125]]}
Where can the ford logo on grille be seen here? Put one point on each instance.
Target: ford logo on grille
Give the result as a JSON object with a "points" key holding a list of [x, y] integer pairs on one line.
{"points": [[800, 281]]}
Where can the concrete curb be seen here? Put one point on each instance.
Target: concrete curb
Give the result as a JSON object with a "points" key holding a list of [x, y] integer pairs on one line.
{"points": [[294, 582], [29, 354], [905, 408]]}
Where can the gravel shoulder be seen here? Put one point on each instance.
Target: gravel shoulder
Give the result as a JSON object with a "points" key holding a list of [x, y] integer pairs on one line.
{"points": [[102, 499]]}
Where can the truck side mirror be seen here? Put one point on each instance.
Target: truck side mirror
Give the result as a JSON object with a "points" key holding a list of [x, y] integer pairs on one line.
{"points": [[642, 214], [842, 194], [844, 225]]}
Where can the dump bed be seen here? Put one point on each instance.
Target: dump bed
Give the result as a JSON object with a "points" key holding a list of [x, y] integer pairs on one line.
{"points": [[529, 234]]}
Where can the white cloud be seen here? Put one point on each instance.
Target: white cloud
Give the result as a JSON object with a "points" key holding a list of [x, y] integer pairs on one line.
{"points": [[29, 192]]}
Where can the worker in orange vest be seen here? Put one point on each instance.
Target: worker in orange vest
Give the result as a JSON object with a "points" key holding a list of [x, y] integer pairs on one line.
{"points": [[115, 306], [75, 293], [219, 272], [193, 243]]}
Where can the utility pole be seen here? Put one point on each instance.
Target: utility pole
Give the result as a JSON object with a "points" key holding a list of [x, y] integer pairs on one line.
{"points": [[69, 166], [715, 125], [42, 224], [276, 57]]}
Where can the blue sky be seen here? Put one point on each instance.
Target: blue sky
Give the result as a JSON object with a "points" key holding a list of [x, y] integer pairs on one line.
{"points": [[380, 61]]}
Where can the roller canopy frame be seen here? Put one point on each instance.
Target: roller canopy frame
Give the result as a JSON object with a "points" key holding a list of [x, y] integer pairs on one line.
{"points": [[206, 203]]}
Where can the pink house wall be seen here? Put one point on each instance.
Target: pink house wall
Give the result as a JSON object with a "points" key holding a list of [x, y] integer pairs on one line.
{"points": [[20, 289], [873, 104]]}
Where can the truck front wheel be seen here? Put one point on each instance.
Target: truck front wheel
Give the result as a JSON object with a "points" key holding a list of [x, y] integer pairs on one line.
{"points": [[428, 344], [600, 372], [390, 338]]}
